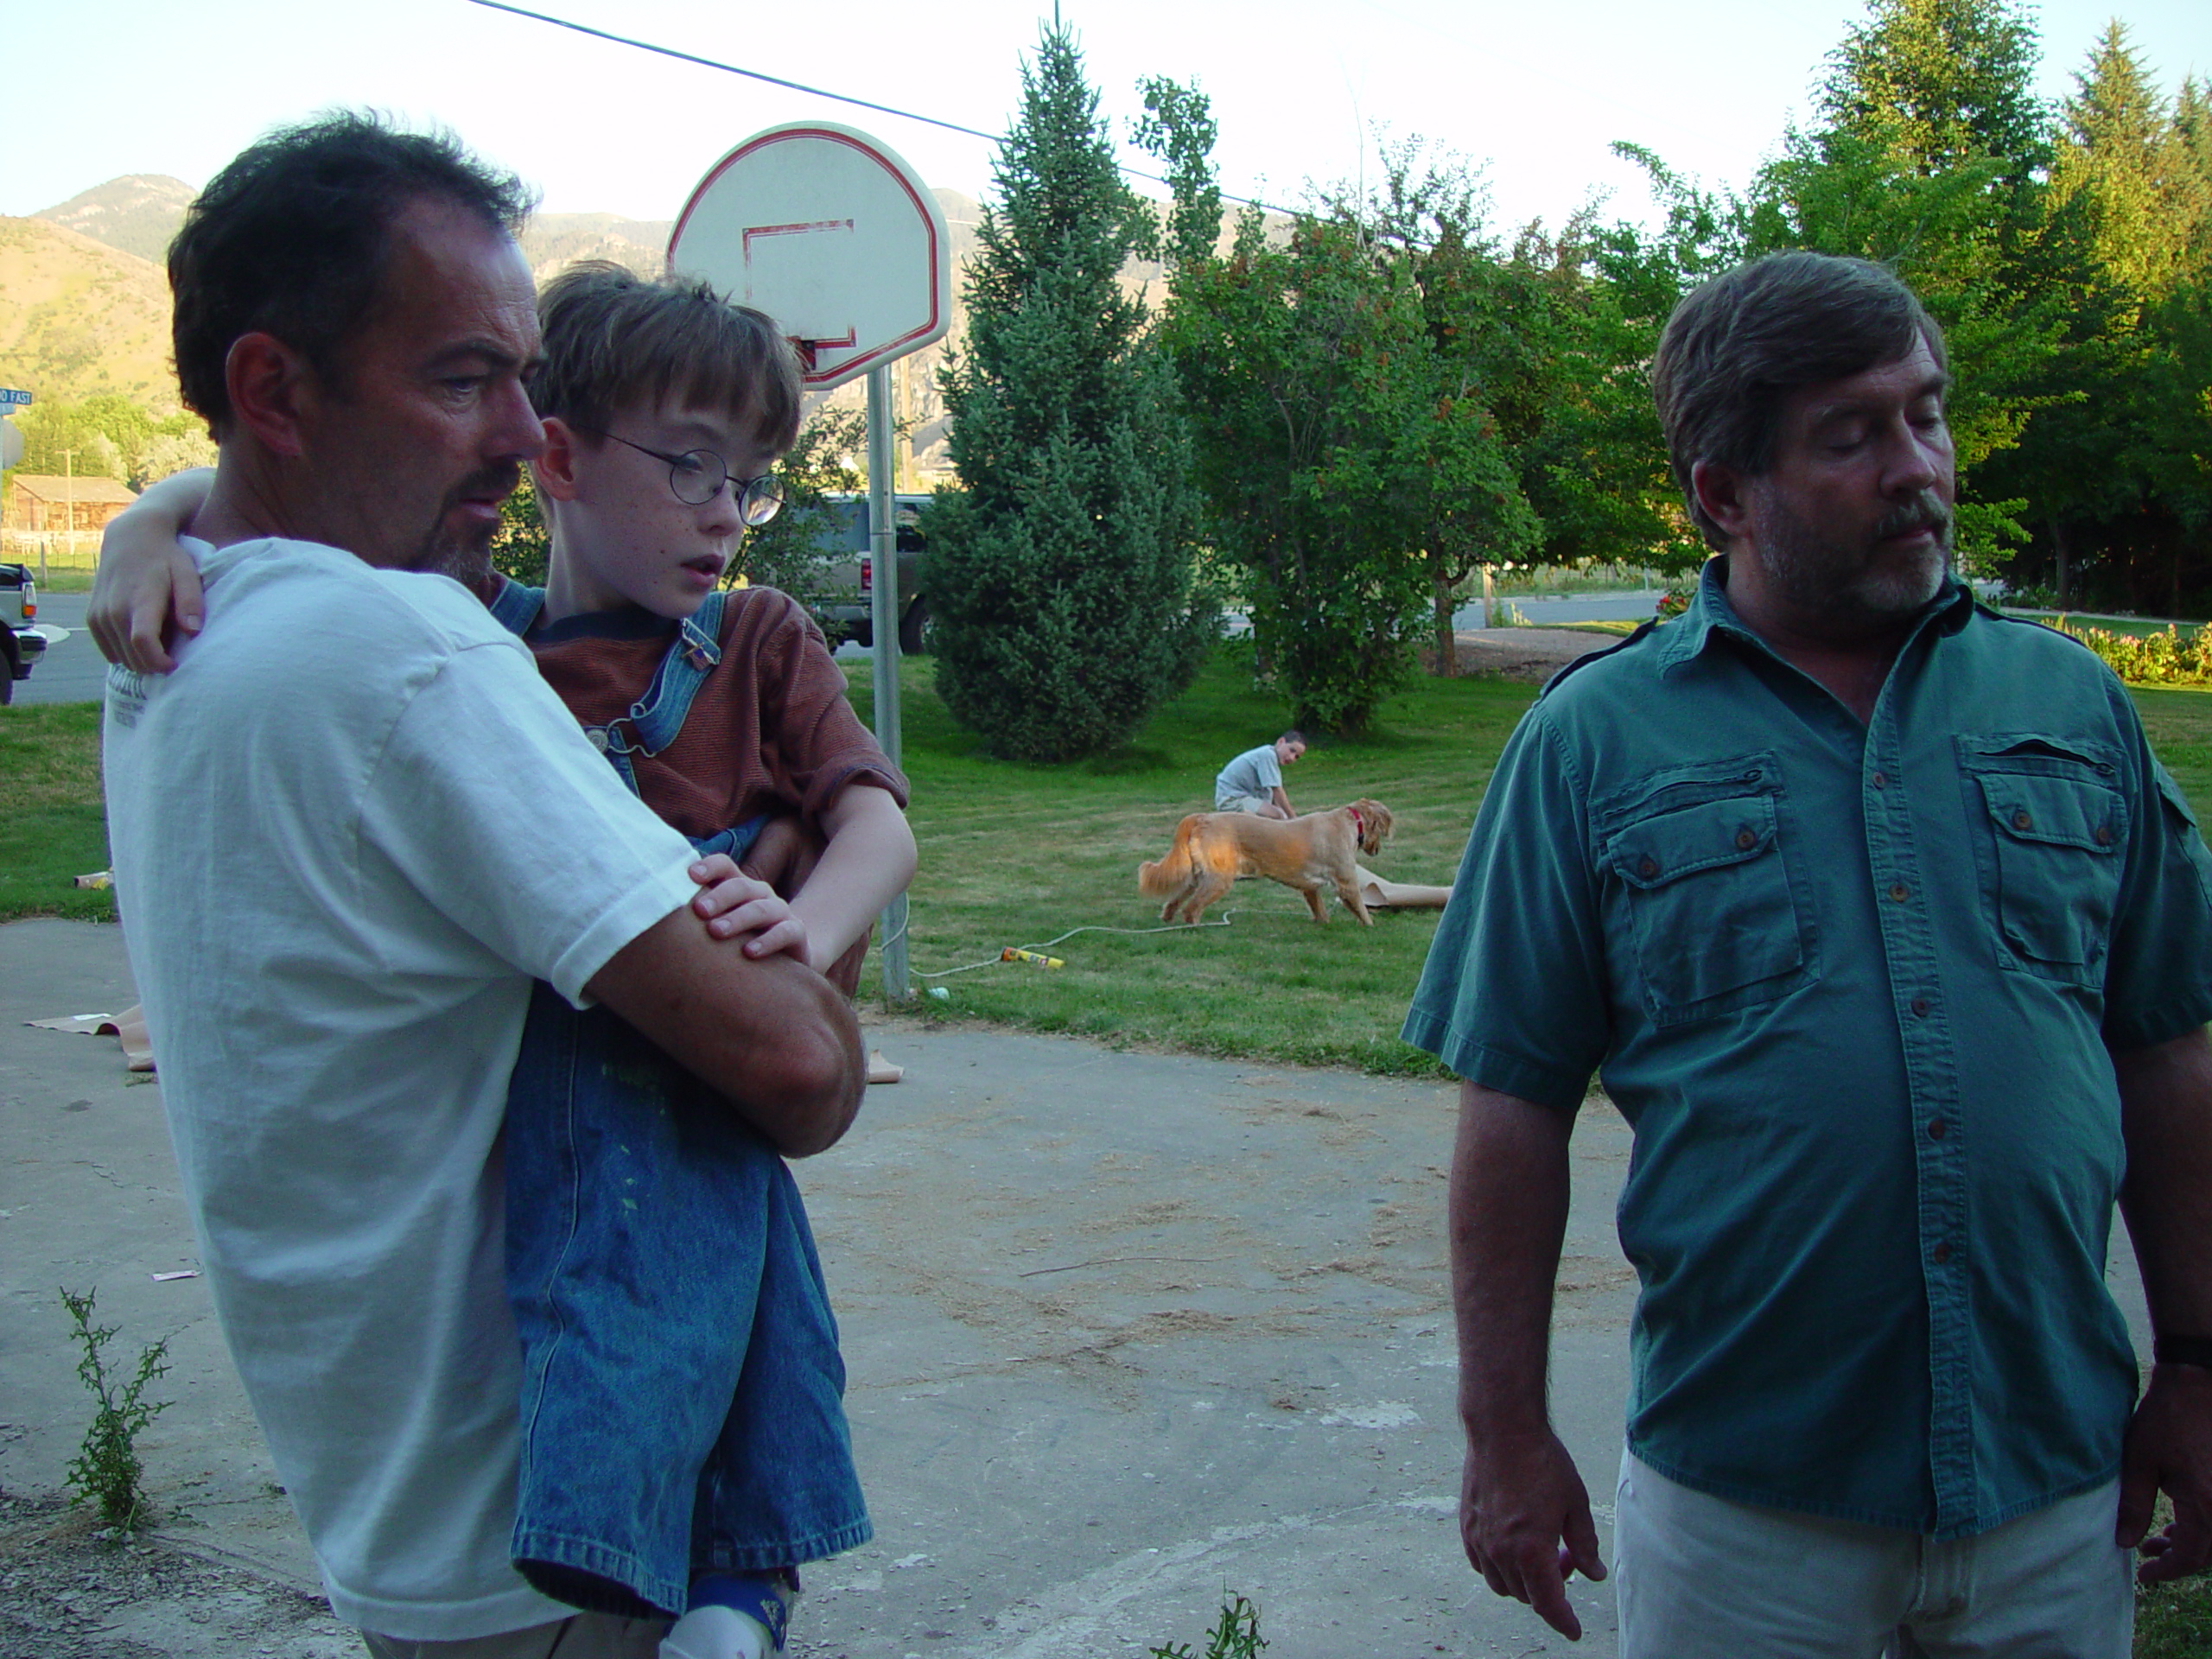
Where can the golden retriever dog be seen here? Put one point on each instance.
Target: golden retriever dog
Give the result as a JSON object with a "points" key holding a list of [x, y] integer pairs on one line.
{"points": [[1321, 849]]}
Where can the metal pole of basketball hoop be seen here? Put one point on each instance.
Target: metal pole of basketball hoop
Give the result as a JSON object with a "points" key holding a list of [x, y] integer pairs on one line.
{"points": [[832, 234], [883, 549]]}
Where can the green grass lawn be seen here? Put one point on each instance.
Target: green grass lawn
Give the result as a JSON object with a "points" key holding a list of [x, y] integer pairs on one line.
{"points": [[52, 828], [58, 578], [1017, 855], [2173, 1621]]}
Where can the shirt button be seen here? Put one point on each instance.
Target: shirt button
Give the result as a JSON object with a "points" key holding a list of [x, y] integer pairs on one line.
{"points": [[1648, 868], [1941, 1254], [1746, 840], [1899, 892], [2021, 821], [1881, 780], [1936, 1133], [1920, 1012], [2102, 835]]}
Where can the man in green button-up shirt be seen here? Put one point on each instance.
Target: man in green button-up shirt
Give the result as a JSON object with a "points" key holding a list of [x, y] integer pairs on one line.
{"points": [[1893, 942]]}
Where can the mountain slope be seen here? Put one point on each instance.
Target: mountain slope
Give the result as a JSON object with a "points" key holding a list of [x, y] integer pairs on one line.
{"points": [[79, 318], [138, 212]]}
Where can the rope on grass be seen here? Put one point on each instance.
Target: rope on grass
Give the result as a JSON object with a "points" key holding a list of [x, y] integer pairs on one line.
{"points": [[1089, 927]]}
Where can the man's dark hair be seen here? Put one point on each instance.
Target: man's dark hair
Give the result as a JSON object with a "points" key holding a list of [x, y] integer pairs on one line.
{"points": [[292, 239], [1738, 345], [1294, 735]]}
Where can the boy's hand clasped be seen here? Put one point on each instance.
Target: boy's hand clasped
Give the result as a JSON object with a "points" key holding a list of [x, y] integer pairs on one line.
{"points": [[735, 903]]}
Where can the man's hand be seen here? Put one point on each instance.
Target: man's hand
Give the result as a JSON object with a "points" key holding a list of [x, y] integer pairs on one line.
{"points": [[2169, 1448], [735, 903], [1524, 1518], [2165, 1118], [783, 854]]}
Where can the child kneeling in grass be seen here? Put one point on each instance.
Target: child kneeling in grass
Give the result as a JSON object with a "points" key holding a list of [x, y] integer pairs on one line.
{"points": [[684, 1445]]}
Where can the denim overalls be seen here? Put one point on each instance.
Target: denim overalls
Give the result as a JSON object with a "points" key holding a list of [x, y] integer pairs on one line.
{"points": [[683, 1401]]}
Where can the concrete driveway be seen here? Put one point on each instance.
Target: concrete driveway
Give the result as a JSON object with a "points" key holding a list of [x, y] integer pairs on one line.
{"points": [[1126, 1334]]}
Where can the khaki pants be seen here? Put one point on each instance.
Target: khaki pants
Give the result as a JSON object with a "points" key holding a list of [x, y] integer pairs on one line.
{"points": [[587, 1635], [1698, 1574]]}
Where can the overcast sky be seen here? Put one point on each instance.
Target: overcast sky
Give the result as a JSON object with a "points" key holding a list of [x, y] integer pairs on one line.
{"points": [[1537, 90]]}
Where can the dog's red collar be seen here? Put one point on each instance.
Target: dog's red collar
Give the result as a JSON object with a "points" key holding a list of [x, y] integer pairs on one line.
{"points": [[1358, 824]]}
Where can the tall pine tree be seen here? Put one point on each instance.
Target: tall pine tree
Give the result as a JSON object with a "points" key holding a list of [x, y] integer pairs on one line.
{"points": [[1061, 575], [2125, 156]]}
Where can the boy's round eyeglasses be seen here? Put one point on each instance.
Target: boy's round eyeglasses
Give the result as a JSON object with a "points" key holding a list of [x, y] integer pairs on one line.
{"points": [[697, 477]]}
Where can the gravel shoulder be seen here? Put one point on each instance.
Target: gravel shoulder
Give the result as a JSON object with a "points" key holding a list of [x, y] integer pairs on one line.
{"points": [[72, 1590], [1530, 654]]}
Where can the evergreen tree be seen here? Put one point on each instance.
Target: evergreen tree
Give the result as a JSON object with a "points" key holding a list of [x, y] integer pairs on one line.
{"points": [[2131, 163], [1062, 588], [2117, 461], [1933, 83]]}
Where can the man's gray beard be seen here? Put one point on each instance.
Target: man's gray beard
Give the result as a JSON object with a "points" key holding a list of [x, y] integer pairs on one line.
{"points": [[467, 563], [1826, 579]]}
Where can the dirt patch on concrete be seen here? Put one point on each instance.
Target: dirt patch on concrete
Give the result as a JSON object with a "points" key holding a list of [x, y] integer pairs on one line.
{"points": [[70, 1589]]}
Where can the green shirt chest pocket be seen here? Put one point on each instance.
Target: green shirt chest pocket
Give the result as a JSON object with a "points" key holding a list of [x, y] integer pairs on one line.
{"points": [[1712, 923], [2051, 865]]}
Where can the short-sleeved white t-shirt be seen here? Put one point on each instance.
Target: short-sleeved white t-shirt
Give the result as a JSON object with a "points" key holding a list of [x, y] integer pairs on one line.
{"points": [[349, 831]]}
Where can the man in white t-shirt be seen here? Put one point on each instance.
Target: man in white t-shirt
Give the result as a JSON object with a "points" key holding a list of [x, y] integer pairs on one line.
{"points": [[1253, 781], [352, 828]]}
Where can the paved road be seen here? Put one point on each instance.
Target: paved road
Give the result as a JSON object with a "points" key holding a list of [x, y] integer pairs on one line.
{"points": [[72, 671], [1573, 608]]}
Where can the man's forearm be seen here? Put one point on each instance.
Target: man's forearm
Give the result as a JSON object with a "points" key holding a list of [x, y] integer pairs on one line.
{"points": [[771, 1036], [2165, 1103], [1508, 1218]]}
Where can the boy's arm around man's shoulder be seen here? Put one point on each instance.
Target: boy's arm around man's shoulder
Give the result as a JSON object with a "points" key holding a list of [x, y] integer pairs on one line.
{"points": [[773, 1037]]}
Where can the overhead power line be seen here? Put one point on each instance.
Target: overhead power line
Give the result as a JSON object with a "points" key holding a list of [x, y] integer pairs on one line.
{"points": [[732, 69], [798, 87]]}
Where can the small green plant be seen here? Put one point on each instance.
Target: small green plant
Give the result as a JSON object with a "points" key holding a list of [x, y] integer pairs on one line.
{"points": [[107, 1471], [1236, 1637]]}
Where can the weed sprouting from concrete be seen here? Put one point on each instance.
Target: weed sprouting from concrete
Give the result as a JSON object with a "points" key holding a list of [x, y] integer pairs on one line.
{"points": [[1236, 1637], [107, 1471]]}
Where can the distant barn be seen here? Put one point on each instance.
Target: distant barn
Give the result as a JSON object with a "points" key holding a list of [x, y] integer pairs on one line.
{"points": [[40, 505]]}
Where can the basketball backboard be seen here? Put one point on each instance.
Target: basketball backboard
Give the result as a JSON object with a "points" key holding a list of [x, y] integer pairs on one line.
{"points": [[831, 234]]}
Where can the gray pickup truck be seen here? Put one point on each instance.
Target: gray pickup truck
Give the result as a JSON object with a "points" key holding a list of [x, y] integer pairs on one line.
{"points": [[851, 571], [21, 644]]}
